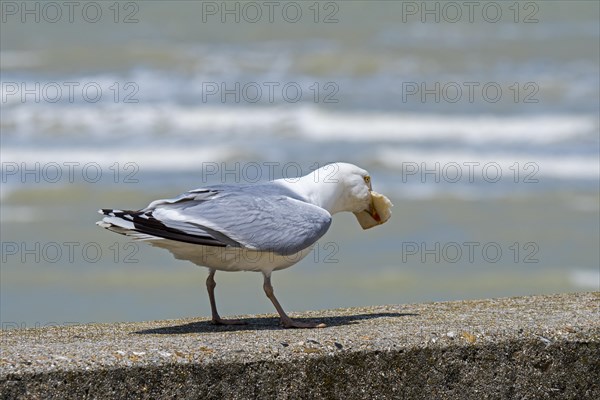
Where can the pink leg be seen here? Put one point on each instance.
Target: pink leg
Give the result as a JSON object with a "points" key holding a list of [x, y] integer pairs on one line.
{"points": [[286, 321], [216, 319]]}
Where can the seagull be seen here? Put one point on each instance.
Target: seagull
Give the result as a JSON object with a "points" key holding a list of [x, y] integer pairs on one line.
{"points": [[262, 227]]}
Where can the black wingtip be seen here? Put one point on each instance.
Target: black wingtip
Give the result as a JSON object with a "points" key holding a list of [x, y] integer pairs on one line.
{"points": [[111, 212]]}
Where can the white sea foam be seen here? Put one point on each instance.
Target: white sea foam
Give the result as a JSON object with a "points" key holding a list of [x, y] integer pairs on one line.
{"points": [[425, 127], [133, 119], [500, 139], [304, 121], [585, 278], [146, 158], [557, 166]]}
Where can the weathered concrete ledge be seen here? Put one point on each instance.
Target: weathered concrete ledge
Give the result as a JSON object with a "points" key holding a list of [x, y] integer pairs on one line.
{"points": [[525, 347]]}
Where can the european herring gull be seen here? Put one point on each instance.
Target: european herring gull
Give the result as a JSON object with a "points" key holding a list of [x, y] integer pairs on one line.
{"points": [[262, 227]]}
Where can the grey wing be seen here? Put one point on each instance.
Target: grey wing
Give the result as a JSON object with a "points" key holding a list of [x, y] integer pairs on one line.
{"points": [[143, 225], [247, 218]]}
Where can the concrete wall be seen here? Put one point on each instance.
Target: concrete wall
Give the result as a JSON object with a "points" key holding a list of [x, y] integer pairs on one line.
{"points": [[528, 347]]}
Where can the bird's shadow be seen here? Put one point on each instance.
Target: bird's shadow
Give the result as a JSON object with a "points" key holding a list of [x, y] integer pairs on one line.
{"points": [[266, 323]]}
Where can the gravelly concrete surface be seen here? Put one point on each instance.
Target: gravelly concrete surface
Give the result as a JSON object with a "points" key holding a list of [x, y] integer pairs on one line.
{"points": [[524, 347]]}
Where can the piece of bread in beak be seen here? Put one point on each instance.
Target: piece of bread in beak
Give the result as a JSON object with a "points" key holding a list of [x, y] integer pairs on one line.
{"points": [[383, 208]]}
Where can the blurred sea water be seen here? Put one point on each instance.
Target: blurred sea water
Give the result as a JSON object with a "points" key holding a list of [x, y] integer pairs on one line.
{"points": [[485, 135]]}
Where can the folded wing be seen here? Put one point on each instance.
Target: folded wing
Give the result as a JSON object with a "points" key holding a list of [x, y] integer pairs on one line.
{"points": [[255, 217]]}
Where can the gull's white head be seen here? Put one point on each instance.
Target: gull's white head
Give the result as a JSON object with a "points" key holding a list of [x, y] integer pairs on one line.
{"points": [[353, 187], [339, 187]]}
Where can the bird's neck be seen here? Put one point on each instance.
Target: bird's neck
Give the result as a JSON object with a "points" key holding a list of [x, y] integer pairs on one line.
{"points": [[317, 190]]}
